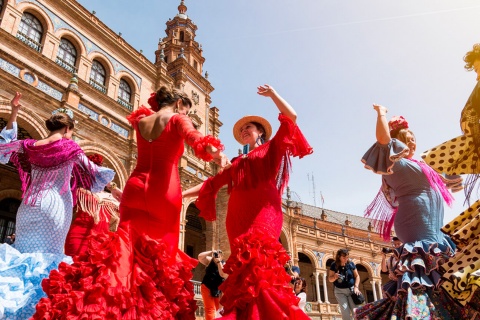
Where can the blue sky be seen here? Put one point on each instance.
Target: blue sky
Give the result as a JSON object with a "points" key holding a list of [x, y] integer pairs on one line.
{"points": [[331, 60]]}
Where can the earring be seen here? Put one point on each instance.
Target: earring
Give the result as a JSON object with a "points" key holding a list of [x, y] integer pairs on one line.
{"points": [[175, 110]]}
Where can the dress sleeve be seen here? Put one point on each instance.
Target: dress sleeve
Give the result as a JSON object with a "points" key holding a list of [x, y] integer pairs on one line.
{"points": [[380, 158], [138, 115], [208, 194], [8, 149], [289, 137], [98, 178], [194, 138], [9, 135]]}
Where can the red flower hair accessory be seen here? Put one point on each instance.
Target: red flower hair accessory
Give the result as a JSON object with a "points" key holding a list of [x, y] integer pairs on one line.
{"points": [[96, 158], [397, 123], [152, 101]]}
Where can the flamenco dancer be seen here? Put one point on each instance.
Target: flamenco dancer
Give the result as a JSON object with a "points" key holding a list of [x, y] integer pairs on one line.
{"points": [[94, 213], [461, 155], [411, 198], [139, 272], [47, 169], [257, 286]]}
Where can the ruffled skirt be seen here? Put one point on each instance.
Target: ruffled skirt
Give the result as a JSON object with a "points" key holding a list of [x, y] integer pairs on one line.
{"points": [[118, 279], [462, 272], [419, 295], [257, 285], [20, 280]]}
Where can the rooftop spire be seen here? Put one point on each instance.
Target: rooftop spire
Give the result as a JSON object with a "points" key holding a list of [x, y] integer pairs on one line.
{"points": [[182, 8]]}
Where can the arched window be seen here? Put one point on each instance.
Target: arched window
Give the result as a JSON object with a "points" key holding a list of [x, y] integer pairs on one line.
{"points": [[125, 94], [67, 55], [1, 5], [30, 31], [98, 76], [8, 213]]}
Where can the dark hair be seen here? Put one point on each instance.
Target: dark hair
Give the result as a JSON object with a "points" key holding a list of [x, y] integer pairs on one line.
{"points": [[401, 134], [340, 252], [59, 120], [303, 282], [395, 239], [471, 56], [165, 97]]}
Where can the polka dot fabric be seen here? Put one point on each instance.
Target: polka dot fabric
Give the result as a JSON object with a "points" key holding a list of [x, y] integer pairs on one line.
{"points": [[463, 270]]}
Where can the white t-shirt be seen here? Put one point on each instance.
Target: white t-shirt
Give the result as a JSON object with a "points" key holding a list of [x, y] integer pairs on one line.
{"points": [[303, 300]]}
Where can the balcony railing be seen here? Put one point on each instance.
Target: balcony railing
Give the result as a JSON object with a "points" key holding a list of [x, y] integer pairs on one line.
{"points": [[65, 65], [100, 87], [29, 42], [125, 103]]}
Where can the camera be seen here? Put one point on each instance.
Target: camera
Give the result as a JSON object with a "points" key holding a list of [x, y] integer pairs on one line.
{"points": [[387, 250], [215, 254]]}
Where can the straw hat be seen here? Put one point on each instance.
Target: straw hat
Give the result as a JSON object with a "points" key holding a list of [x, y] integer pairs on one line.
{"points": [[240, 123]]}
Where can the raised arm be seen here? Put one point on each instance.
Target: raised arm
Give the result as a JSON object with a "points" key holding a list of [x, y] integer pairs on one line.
{"points": [[283, 106], [15, 103], [192, 192], [382, 130]]}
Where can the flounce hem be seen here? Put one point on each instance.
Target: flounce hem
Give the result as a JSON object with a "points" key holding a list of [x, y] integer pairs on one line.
{"points": [[297, 144], [419, 262], [159, 283], [20, 280], [257, 285], [381, 158]]}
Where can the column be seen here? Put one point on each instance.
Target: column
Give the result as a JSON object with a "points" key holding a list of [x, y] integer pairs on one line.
{"points": [[325, 291], [374, 290], [380, 291], [317, 286]]}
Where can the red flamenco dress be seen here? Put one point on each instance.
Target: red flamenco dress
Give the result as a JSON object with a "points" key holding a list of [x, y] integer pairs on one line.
{"points": [[95, 213], [137, 272], [257, 285]]}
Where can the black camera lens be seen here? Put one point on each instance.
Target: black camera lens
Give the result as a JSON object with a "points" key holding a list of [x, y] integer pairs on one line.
{"points": [[215, 254], [387, 250]]}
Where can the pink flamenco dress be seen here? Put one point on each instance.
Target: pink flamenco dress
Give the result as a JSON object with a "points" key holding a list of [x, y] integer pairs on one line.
{"points": [[137, 272], [257, 285]]}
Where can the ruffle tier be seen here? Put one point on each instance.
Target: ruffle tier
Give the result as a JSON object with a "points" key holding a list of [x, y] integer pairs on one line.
{"points": [[462, 272], [257, 284], [381, 158], [419, 295], [21, 275], [158, 286]]}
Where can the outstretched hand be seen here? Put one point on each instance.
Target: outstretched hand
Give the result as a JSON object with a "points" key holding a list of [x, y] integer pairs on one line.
{"points": [[219, 157], [266, 90], [381, 110], [15, 103]]}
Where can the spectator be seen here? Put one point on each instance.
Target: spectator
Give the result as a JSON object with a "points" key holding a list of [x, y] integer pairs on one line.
{"points": [[344, 276], [10, 239], [214, 276], [389, 265], [300, 288]]}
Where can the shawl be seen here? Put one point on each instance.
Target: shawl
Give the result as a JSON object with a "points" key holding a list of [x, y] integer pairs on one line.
{"points": [[49, 161]]}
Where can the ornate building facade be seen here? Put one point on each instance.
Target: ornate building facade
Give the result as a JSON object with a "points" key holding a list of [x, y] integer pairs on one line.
{"points": [[59, 54]]}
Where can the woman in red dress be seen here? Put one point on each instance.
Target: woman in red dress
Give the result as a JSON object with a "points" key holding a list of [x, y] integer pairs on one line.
{"points": [[257, 285], [94, 213], [139, 272]]}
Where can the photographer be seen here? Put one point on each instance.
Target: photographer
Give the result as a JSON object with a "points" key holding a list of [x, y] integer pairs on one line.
{"points": [[390, 288], [214, 276], [292, 270], [344, 275]]}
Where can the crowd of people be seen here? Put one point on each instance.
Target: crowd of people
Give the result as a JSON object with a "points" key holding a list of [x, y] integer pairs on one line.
{"points": [[84, 249]]}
